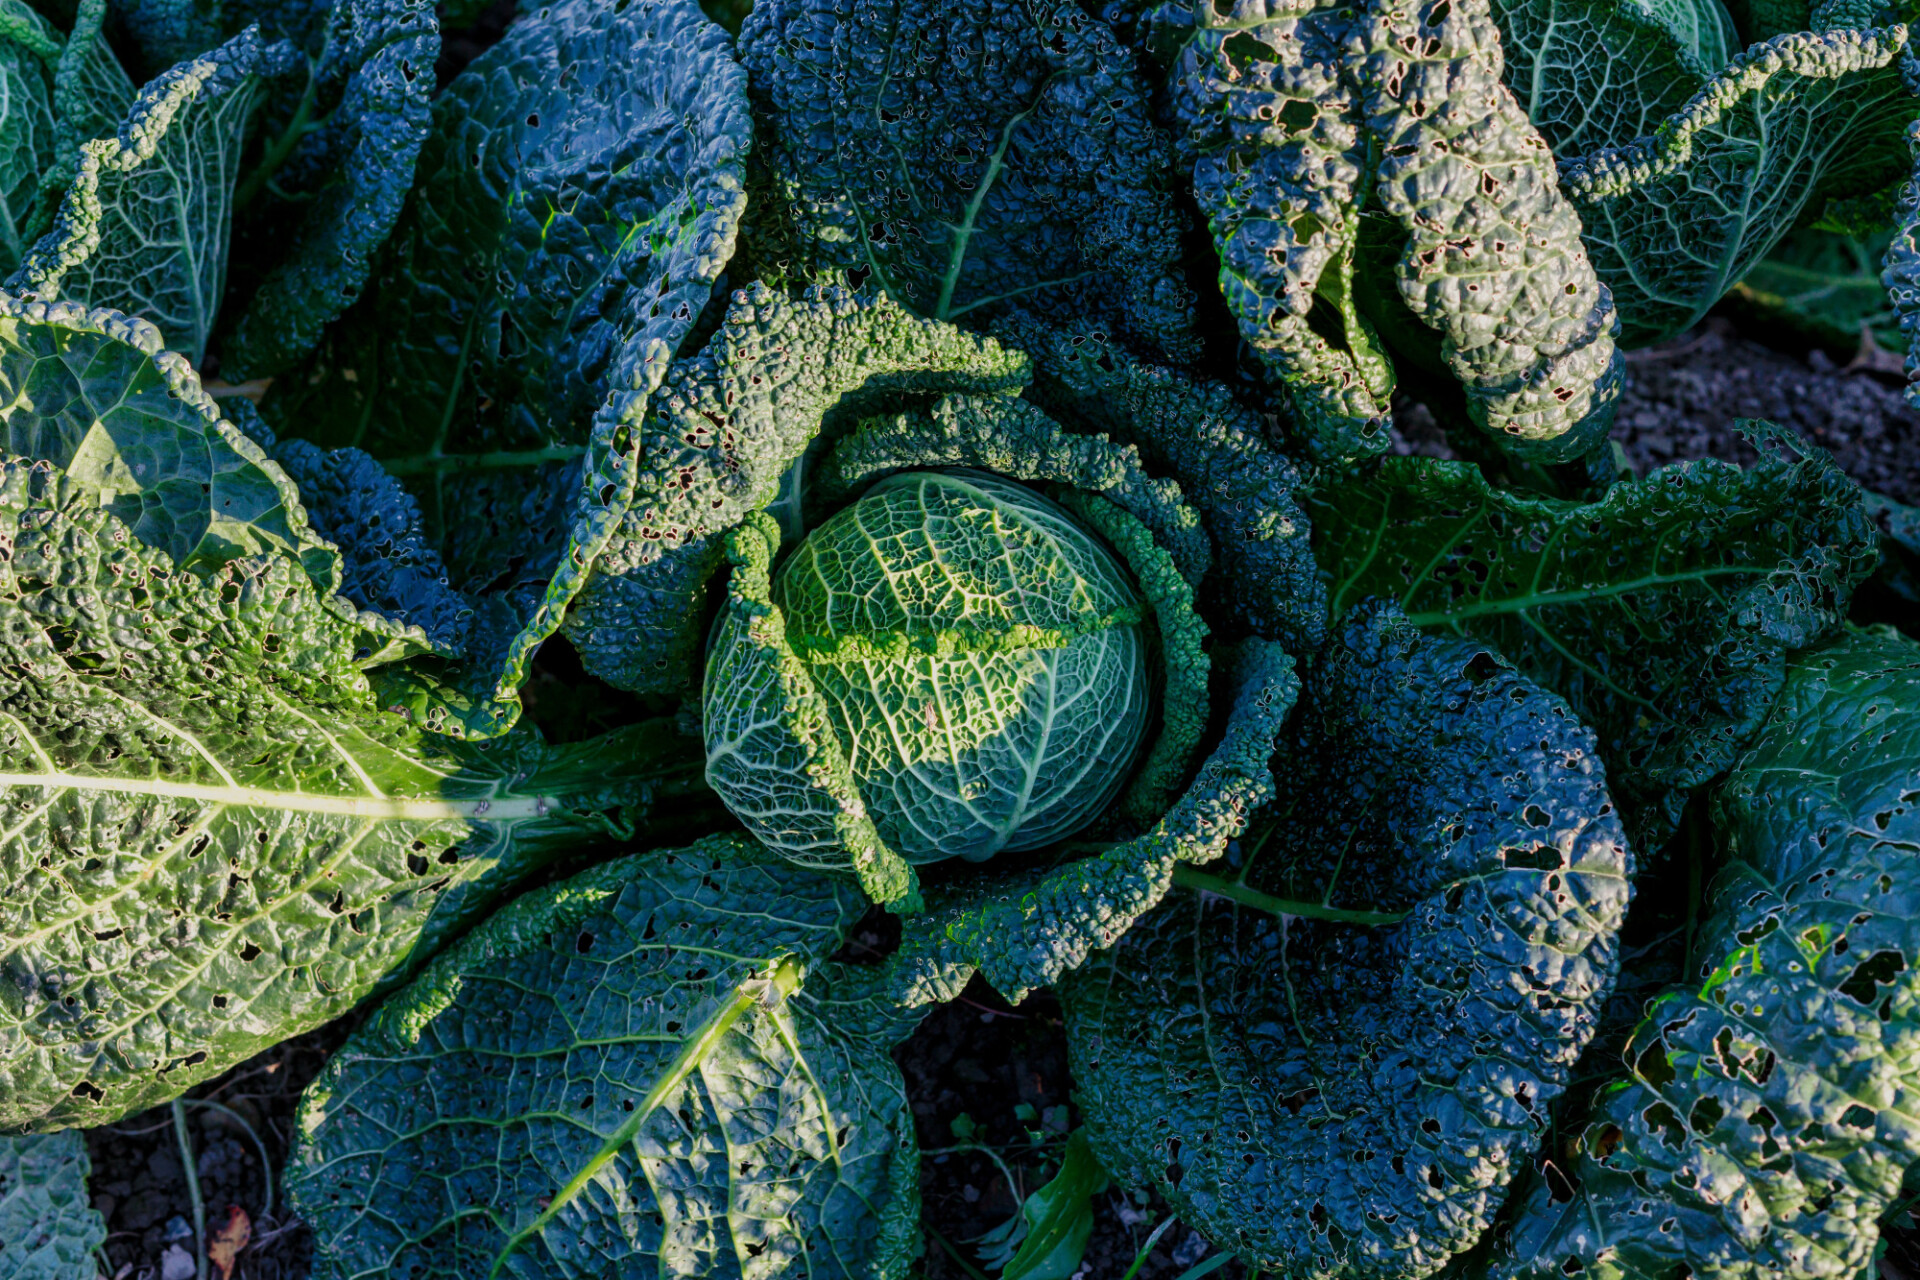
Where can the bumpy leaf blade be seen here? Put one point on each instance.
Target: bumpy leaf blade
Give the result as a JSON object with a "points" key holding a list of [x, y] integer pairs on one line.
{"points": [[1329, 1097], [1280, 168], [626, 1079], [1245, 490], [214, 838], [1493, 257], [723, 431], [48, 1226], [341, 185], [1760, 1127], [1901, 274], [144, 226], [387, 565], [1675, 219], [1663, 612], [967, 154], [94, 394], [577, 200]]}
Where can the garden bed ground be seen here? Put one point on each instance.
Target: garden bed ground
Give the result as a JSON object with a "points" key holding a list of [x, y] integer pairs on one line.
{"points": [[1004, 1070]]}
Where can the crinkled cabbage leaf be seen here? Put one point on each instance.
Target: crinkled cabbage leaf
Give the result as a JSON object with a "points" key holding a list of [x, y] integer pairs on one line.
{"points": [[647, 1067], [1759, 1123], [1332, 1053], [1663, 611]]}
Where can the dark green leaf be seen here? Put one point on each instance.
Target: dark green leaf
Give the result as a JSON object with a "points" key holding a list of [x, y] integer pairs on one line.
{"points": [[1601, 73], [1662, 611], [623, 1074], [970, 154], [1675, 219], [1334, 1098], [1761, 1126]]}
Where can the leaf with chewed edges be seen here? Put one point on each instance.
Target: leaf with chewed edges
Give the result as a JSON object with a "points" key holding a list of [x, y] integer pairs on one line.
{"points": [[1663, 611], [212, 836], [1760, 1125], [1331, 1054], [645, 1068]]}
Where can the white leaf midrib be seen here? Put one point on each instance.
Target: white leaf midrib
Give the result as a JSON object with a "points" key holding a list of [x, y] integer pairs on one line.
{"points": [[387, 808]]}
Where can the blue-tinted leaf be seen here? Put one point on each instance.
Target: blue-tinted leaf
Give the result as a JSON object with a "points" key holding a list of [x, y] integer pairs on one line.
{"points": [[968, 154], [1331, 1050]]}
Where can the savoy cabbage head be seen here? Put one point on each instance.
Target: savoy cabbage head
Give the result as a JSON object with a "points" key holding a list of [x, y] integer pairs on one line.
{"points": [[980, 655]]}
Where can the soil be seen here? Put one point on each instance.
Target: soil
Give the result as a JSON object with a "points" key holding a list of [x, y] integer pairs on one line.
{"points": [[1005, 1070], [138, 1184]]}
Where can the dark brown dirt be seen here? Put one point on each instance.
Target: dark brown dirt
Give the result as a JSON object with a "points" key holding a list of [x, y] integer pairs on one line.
{"points": [[138, 1183], [980, 1059], [1682, 399]]}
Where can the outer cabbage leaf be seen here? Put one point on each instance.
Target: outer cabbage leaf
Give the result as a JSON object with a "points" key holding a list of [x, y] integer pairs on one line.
{"points": [[1663, 612], [968, 154], [93, 394], [213, 836], [1901, 274], [1827, 287], [338, 145], [621, 1073], [29, 53], [144, 226], [334, 177], [387, 566], [48, 1226], [577, 200], [1762, 1123], [1494, 262], [1333, 1061], [1245, 490], [1601, 73], [1281, 170], [91, 96], [1297, 120], [727, 429], [1675, 219]]}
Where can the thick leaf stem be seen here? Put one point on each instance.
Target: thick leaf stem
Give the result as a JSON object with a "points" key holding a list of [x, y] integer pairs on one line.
{"points": [[1188, 877]]}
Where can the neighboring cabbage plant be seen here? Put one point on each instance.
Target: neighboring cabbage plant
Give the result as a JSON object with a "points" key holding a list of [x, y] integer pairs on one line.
{"points": [[1758, 1123], [278, 137], [219, 832]]}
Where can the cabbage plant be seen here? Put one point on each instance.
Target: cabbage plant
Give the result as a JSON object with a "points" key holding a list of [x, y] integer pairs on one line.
{"points": [[552, 556]]}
